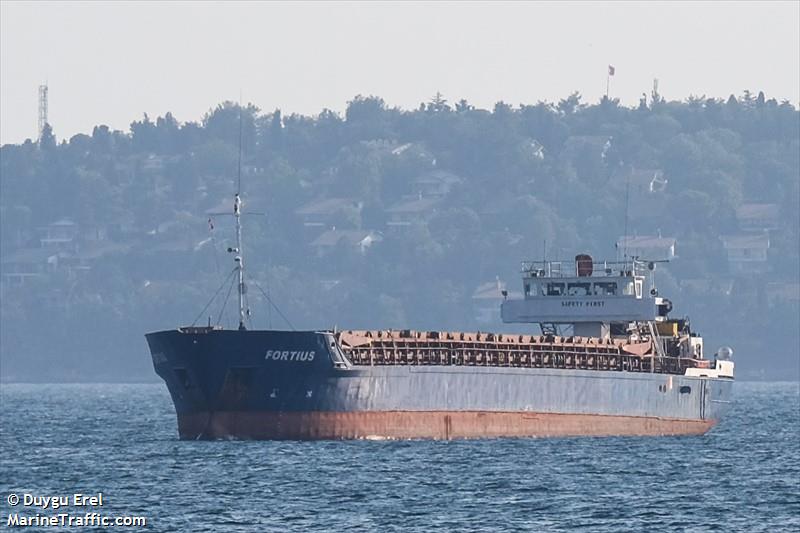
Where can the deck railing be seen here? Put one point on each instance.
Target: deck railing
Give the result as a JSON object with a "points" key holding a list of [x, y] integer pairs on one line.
{"points": [[569, 269]]}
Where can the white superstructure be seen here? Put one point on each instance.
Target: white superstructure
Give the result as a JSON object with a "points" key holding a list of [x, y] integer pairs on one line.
{"points": [[608, 300]]}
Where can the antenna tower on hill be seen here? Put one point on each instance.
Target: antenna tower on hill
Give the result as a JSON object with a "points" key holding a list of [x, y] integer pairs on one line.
{"points": [[42, 109]]}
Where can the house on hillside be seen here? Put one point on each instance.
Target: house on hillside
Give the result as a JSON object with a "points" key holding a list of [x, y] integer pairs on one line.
{"points": [[654, 248], [73, 265], [747, 253], [758, 217], [406, 212], [23, 265], [416, 151], [358, 240], [783, 292], [60, 235], [436, 183]]}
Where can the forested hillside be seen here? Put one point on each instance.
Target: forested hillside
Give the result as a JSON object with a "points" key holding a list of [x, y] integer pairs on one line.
{"points": [[389, 218]]}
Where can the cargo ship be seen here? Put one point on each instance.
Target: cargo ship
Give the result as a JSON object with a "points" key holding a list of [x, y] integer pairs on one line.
{"points": [[606, 359]]}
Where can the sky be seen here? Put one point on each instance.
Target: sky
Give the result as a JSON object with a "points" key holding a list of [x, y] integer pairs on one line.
{"points": [[108, 63]]}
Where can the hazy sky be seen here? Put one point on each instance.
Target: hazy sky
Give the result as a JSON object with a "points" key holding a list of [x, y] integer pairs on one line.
{"points": [[109, 63]]}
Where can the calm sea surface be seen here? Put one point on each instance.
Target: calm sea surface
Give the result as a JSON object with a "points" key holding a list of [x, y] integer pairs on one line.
{"points": [[121, 440]]}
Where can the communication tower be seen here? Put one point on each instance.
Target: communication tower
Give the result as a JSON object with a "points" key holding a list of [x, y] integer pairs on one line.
{"points": [[42, 108]]}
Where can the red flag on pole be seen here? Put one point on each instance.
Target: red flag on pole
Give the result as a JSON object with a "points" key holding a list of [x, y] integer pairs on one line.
{"points": [[610, 70]]}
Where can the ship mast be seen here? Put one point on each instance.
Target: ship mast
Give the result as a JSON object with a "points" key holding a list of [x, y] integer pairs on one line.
{"points": [[237, 207], [237, 210]]}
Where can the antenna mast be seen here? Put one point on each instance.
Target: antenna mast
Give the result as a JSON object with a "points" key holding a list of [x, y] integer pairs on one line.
{"points": [[42, 109], [237, 211]]}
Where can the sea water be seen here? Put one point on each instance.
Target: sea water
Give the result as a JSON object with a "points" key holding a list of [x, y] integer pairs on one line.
{"points": [[120, 441]]}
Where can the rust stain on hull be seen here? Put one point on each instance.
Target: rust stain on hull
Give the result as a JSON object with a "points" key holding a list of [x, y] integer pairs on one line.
{"points": [[441, 425]]}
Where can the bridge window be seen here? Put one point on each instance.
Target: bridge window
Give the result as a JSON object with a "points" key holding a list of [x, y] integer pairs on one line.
{"points": [[605, 289], [638, 288], [532, 289], [578, 289], [555, 289]]}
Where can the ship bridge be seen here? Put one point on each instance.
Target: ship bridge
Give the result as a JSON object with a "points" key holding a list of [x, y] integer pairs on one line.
{"points": [[592, 296]]}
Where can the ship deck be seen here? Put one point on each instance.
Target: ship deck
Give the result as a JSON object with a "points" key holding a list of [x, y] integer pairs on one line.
{"points": [[407, 347]]}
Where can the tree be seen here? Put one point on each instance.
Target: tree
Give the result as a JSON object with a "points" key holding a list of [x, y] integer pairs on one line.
{"points": [[571, 104], [276, 126], [101, 140], [271, 134], [438, 103], [502, 110], [168, 133], [228, 119], [463, 106], [364, 109], [660, 128], [366, 119], [47, 141], [143, 135], [655, 98]]}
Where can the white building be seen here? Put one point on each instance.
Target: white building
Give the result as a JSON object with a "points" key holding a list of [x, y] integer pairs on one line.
{"points": [[747, 253]]}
